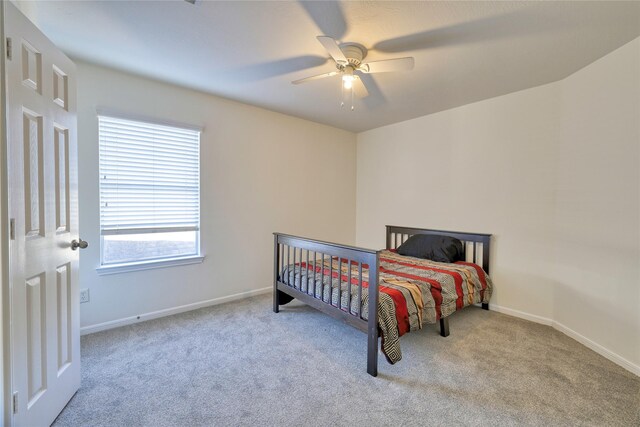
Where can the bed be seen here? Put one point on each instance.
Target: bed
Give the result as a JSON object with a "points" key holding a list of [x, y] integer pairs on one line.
{"points": [[399, 295]]}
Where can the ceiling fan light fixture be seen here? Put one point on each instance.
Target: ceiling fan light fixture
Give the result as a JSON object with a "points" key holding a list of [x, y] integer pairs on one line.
{"points": [[347, 82], [348, 77]]}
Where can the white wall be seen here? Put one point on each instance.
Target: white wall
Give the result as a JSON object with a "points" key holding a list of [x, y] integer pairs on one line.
{"points": [[597, 215], [552, 173], [484, 167], [261, 172]]}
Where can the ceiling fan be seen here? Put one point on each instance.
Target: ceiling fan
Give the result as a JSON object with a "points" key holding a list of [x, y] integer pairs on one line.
{"points": [[348, 59]]}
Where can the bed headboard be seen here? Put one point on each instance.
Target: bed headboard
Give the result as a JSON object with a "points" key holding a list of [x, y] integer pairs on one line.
{"points": [[476, 245]]}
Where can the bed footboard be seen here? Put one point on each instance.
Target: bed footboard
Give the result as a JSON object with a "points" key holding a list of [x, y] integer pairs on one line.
{"points": [[310, 255]]}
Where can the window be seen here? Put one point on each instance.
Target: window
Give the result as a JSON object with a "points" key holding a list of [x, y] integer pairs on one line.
{"points": [[149, 192]]}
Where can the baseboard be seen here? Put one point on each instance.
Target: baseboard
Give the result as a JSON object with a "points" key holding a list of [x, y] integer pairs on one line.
{"points": [[521, 314], [615, 358], [169, 311]]}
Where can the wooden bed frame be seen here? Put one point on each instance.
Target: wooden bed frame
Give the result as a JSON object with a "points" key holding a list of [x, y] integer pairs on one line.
{"points": [[476, 247]]}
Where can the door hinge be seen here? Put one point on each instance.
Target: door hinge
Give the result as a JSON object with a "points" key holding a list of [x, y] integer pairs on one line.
{"points": [[9, 46], [15, 402], [12, 229]]}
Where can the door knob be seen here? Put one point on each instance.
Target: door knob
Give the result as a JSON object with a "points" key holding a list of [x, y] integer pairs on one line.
{"points": [[75, 244]]}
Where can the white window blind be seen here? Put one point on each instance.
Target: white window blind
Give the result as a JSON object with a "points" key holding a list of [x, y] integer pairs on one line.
{"points": [[149, 178]]}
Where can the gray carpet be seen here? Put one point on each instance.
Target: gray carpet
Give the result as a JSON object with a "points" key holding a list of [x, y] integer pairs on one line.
{"points": [[242, 364]]}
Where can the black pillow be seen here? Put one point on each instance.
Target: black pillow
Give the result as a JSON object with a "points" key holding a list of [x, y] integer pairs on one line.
{"points": [[435, 248]]}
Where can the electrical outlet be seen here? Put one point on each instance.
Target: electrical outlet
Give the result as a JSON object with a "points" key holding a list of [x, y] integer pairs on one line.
{"points": [[84, 295]]}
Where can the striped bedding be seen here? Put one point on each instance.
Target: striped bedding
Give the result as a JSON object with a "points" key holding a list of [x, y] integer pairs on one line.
{"points": [[413, 291]]}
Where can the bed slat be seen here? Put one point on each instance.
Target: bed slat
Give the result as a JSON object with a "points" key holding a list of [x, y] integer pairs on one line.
{"points": [[306, 275], [322, 279], [473, 257], [349, 286], [360, 290], [339, 302], [330, 280], [288, 264], [315, 255], [295, 256]]}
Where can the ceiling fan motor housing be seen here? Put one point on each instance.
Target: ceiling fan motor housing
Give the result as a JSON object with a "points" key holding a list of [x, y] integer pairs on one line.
{"points": [[354, 52]]}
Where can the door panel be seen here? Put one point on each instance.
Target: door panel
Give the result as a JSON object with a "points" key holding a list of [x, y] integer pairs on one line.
{"points": [[42, 145], [61, 152], [33, 174], [31, 67], [63, 309], [60, 88], [36, 303]]}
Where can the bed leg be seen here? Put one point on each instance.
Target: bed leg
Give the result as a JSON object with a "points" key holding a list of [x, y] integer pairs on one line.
{"points": [[372, 353], [280, 298], [485, 306], [276, 267], [276, 303], [372, 320], [444, 327]]}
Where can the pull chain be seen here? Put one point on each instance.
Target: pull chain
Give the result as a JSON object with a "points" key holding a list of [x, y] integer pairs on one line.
{"points": [[352, 98]]}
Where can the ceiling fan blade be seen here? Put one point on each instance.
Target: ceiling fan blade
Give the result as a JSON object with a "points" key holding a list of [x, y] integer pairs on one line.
{"points": [[334, 50], [327, 15], [376, 98], [517, 23], [270, 69], [318, 77], [388, 65], [359, 88]]}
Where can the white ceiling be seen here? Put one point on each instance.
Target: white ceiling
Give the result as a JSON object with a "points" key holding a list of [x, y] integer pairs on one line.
{"points": [[251, 51]]}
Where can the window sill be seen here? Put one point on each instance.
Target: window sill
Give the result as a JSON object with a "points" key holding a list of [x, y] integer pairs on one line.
{"points": [[148, 265]]}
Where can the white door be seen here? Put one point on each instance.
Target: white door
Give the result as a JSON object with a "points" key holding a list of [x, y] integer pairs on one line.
{"points": [[43, 209]]}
